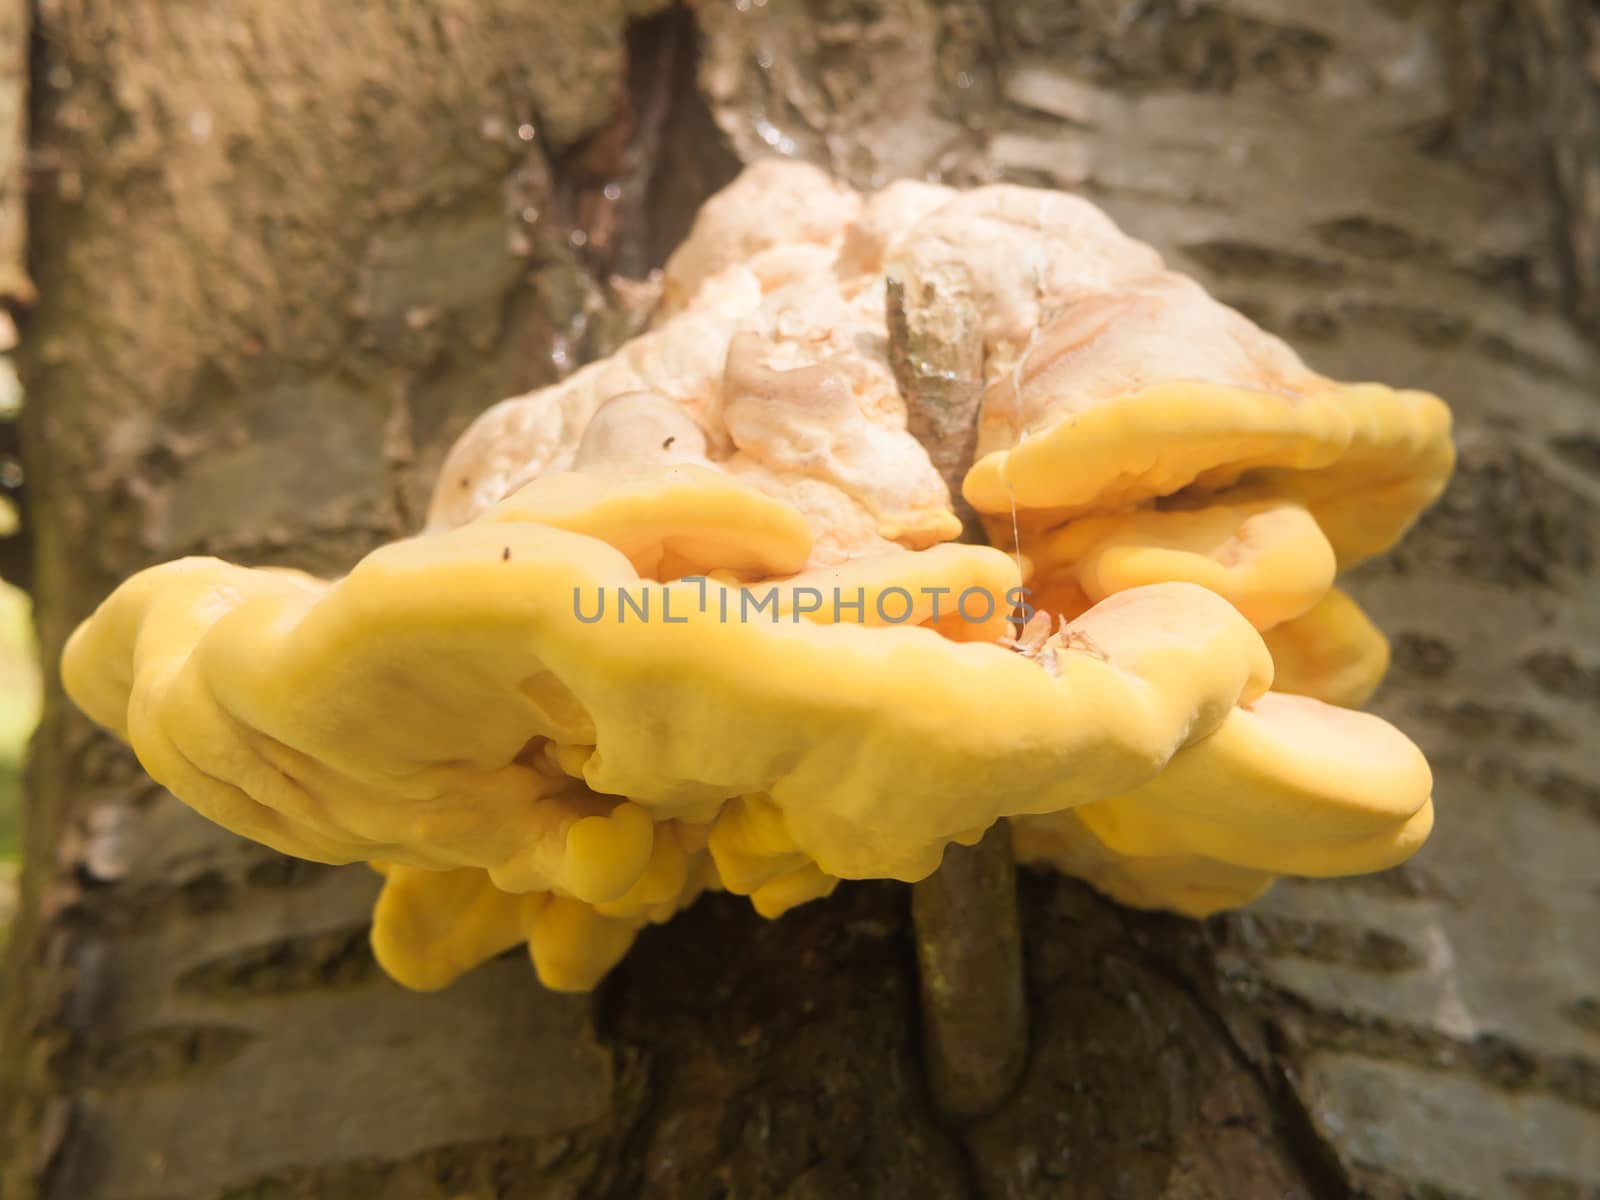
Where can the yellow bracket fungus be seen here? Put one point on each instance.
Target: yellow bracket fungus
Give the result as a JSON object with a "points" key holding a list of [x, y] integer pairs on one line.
{"points": [[693, 617]]}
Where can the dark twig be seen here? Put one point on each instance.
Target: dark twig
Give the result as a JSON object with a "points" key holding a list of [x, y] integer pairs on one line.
{"points": [[969, 941], [969, 954]]}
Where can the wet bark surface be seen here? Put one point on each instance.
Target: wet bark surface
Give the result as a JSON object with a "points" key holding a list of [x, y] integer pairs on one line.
{"points": [[286, 253]]}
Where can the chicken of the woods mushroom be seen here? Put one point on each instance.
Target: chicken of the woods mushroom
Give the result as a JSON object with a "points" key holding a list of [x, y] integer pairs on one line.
{"points": [[695, 617]]}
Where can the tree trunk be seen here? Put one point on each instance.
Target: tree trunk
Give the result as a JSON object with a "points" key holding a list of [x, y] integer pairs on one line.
{"points": [[286, 249]]}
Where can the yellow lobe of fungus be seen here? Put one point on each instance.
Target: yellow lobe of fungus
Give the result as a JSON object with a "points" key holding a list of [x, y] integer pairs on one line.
{"points": [[571, 945], [570, 760], [1269, 559], [751, 845], [429, 927], [675, 520], [1189, 884], [800, 886], [1362, 459], [608, 855], [1333, 653], [664, 879], [1290, 785]]}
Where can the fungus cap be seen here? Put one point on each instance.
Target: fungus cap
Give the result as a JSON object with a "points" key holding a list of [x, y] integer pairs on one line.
{"points": [[692, 618]]}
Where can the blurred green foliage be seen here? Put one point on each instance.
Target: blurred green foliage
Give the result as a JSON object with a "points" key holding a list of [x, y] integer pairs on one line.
{"points": [[19, 709]]}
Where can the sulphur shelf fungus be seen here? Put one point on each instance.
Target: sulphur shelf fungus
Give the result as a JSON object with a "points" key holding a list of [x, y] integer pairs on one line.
{"points": [[697, 616]]}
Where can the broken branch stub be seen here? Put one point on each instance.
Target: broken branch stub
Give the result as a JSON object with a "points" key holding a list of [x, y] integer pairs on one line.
{"points": [[936, 353], [969, 942]]}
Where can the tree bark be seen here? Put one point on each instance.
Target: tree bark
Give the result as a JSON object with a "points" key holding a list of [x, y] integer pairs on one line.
{"points": [[285, 250], [14, 282]]}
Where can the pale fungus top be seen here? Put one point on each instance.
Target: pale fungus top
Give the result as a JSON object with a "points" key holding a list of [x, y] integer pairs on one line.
{"points": [[694, 617]]}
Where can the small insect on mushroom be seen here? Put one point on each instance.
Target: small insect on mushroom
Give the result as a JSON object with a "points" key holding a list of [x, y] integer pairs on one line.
{"points": [[1038, 644]]}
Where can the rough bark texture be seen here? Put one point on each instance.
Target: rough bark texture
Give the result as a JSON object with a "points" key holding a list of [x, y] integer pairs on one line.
{"points": [[286, 249], [1561, 40], [14, 282]]}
